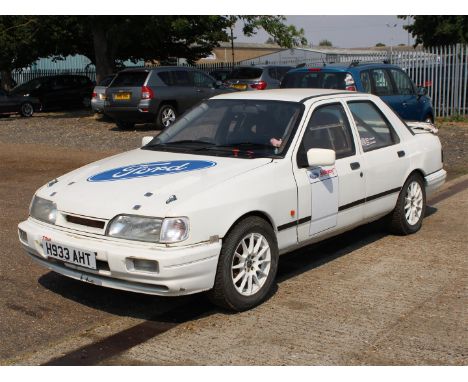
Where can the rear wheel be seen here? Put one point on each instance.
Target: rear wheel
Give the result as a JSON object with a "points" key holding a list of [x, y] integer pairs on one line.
{"points": [[122, 125], [166, 116], [247, 265], [409, 211], [26, 109]]}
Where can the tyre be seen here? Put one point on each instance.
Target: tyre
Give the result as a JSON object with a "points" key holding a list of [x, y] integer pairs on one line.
{"points": [[409, 211], [166, 116], [429, 119], [122, 125], [26, 109], [86, 102], [247, 265]]}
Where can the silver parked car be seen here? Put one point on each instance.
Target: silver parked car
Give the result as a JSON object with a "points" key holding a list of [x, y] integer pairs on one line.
{"points": [[99, 94], [259, 77]]}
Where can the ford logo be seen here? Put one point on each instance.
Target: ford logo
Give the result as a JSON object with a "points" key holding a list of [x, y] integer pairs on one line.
{"points": [[143, 170]]}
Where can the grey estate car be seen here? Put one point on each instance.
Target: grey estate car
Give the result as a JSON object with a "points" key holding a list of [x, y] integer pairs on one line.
{"points": [[157, 95], [259, 77]]}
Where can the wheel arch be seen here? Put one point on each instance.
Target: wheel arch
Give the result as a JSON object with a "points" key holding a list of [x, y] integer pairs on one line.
{"points": [[261, 214]]}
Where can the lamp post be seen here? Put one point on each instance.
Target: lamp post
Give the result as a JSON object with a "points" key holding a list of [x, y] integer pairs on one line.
{"points": [[391, 40]]}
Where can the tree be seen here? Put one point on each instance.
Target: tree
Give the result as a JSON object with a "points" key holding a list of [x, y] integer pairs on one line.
{"points": [[24, 39], [380, 44], [326, 43], [108, 41], [438, 30]]}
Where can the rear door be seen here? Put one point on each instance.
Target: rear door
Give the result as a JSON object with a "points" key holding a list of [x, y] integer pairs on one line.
{"points": [[125, 90], [385, 159], [180, 88]]}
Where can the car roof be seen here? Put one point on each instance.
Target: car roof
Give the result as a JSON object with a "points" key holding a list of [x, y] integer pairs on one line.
{"points": [[158, 69], [291, 95], [346, 67]]}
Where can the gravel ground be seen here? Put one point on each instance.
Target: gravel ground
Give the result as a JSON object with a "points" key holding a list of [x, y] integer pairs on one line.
{"points": [[79, 129], [363, 298]]}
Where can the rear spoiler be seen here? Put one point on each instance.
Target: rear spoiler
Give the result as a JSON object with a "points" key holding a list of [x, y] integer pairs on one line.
{"points": [[422, 127]]}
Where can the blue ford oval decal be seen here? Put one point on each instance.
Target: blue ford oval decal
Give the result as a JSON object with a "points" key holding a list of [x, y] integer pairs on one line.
{"points": [[150, 169]]}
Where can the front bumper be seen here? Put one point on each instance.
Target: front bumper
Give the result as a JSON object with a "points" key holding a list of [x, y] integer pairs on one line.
{"points": [[180, 270], [434, 181]]}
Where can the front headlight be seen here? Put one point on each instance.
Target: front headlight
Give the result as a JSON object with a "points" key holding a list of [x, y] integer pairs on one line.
{"points": [[133, 227], [149, 229], [44, 210]]}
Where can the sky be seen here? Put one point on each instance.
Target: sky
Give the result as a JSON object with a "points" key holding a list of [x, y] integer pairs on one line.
{"points": [[343, 31]]}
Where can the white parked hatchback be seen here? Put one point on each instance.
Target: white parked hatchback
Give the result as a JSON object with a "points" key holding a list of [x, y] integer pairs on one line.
{"points": [[211, 202]]}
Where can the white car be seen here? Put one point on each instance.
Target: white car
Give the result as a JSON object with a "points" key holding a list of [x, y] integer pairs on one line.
{"points": [[211, 202]]}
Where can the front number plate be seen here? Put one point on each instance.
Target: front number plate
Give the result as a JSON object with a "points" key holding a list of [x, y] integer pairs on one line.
{"points": [[69, 254]]}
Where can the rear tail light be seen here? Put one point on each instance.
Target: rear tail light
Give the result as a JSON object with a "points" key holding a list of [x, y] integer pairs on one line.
{"points": [[94, 95], [146, 93], [260, 85], [314, 69], [351, 88]]}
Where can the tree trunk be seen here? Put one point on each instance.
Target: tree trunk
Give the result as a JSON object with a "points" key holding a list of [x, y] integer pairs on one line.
{"points": [[102, 53], [7, 80]]}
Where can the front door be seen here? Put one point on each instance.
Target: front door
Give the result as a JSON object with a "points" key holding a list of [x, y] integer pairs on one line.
{"points": [[327, 194]]}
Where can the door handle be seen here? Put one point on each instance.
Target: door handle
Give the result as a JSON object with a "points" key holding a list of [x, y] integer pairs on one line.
{"points": [[404, 104], [401, 154], [198, 90], [355, 165]]}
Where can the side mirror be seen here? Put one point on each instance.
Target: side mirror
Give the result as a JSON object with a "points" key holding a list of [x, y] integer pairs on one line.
{"points": [[320, 157], [218, 84], [146, 140], [422, 91]]}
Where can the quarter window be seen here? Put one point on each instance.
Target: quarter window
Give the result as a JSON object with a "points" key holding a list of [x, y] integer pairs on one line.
{"points": [[374, 130], [202, 80], [403, 83], [328, 128], [382, 83]]}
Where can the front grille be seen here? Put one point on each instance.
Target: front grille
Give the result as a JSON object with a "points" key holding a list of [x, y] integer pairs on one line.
{"points": [[85, 221]]}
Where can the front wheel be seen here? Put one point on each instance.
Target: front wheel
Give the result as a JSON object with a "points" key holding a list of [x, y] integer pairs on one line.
{"points": [[409, 211], [26, 109], [247, 265]]}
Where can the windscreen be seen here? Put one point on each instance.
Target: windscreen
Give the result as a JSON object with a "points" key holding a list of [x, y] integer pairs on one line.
{"points": [[244, 128], [134, 79], [319, 80]]}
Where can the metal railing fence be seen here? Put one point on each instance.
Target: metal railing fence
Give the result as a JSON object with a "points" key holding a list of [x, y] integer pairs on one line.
{"points": [[442, 70]]}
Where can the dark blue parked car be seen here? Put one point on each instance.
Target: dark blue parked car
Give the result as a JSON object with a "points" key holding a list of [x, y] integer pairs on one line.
{"points": [[387, 81]]}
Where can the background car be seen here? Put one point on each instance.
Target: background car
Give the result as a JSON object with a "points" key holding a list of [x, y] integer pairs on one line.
{"points": [[61, 91], [99, 94], [24, 105], [157, 95], [220, 74], [259, 77], [389, 82]]}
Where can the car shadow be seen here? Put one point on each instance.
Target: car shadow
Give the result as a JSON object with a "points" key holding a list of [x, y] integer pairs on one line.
{"points": [[147, 307], [137, 127]]}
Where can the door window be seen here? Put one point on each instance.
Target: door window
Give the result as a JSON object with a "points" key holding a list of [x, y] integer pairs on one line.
{"points": [[374, 129], [328, 128], [366, 82], [382, 83], [403, 84]]}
